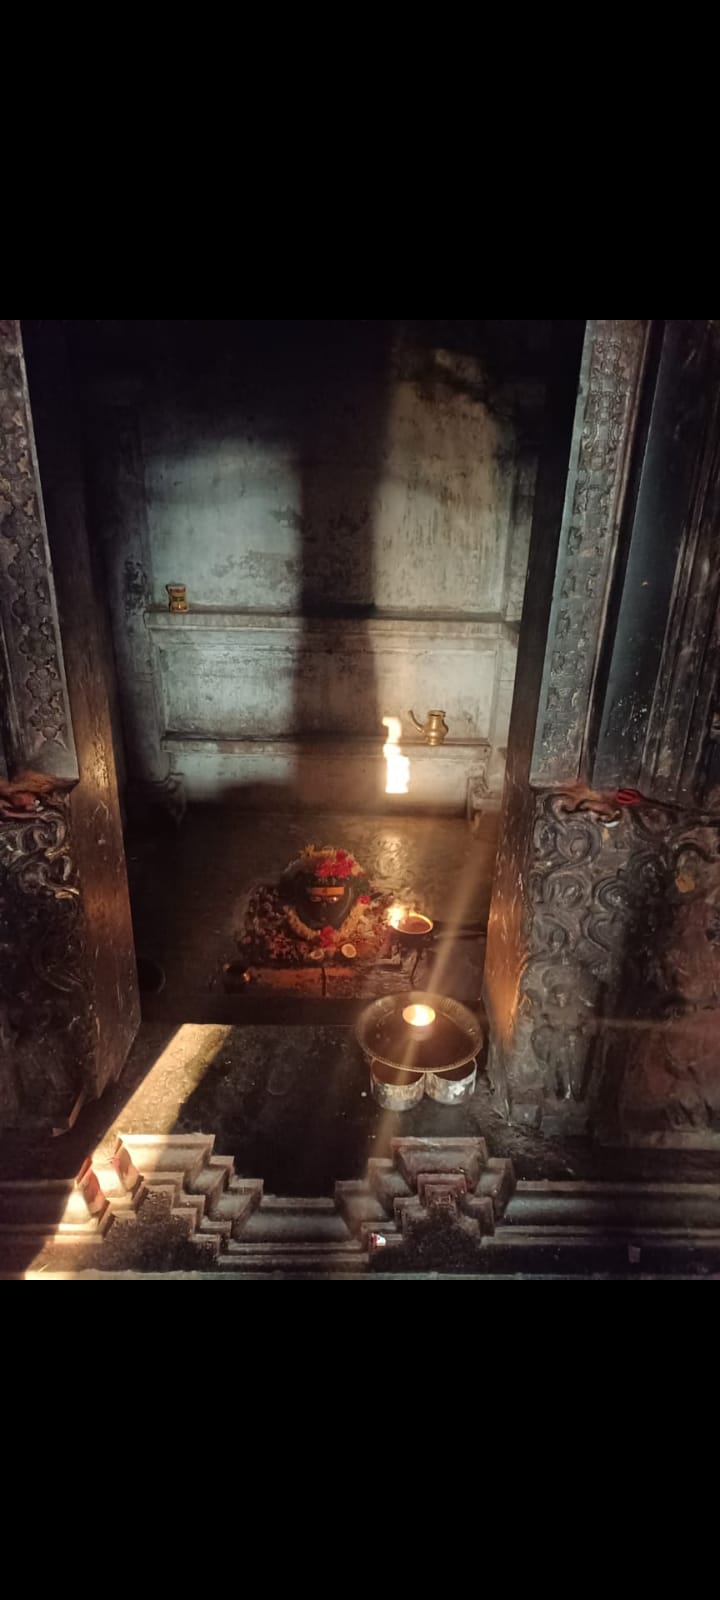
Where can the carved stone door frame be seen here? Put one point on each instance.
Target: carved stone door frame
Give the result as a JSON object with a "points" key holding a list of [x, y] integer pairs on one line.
{"points": [[69, 1005], [602, 977], [603, 963]]}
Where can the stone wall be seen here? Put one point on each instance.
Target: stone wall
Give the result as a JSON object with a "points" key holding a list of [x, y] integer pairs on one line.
{"points": [[615, 1009], [349, 506], [602, 979]]}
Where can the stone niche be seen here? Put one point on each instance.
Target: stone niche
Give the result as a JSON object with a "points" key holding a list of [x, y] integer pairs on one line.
{"points": [[349, 507], [331, 683]]}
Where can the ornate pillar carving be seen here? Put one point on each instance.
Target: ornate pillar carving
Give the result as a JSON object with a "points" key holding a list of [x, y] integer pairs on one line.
{"points": [[611, 373], [34, 709], [68, 986], [616, 1019], [46, 1021], [603, 964]]}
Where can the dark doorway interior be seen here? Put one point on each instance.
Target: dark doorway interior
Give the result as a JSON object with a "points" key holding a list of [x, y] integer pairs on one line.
{"points": [[348, 507]]}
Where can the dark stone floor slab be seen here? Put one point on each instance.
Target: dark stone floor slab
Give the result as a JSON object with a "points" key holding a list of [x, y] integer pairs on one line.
{"points": [[293, 1106]]}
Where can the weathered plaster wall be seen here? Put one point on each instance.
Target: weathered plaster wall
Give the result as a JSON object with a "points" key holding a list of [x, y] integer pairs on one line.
{"points": [[377, 476], [259, 505]]}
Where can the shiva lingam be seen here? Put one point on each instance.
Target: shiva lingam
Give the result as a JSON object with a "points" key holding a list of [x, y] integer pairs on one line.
{"points": [[324, 886], [322, 913], [417, 1044], [323, 929]]}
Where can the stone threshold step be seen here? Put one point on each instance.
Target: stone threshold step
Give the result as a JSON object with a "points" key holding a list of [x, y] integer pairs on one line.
{"points": [[240, 1010]]}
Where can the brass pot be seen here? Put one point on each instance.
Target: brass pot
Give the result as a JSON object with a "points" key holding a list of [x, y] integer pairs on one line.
{"points": [[396, 1086], [434, 729], [412, 938]]}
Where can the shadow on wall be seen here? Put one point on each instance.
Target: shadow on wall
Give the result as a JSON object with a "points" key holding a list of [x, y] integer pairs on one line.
{"points": [[338, 516], [308, 480]]}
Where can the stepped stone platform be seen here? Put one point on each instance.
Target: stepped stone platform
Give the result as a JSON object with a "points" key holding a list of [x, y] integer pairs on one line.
{"points": [[259, 1152], [165, 1205]]}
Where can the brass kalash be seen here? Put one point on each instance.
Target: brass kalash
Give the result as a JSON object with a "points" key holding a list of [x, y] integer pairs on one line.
{"points": [[434, 729]]}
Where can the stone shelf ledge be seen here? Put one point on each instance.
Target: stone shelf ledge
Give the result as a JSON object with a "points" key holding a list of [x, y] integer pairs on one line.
{"points": [[447, 627], [324, 745], [342, 774]]}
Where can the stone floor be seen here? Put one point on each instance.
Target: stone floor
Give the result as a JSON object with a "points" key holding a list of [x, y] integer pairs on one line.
{"points": [[292, 1105], [284, 1089], [289, 1099], [189, 890]]}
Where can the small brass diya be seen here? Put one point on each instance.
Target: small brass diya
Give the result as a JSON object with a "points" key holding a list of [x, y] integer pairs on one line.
{"points": [[412, 930]]}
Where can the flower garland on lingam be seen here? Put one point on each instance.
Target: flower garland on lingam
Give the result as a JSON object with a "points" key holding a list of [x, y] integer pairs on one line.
{"points": [[323, 910]]}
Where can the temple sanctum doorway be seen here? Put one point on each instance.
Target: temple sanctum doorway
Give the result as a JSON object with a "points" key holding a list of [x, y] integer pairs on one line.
{"points": [[359, 783]]}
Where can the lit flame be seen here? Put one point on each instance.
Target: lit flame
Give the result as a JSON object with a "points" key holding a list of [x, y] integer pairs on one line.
{"points": [[397, 915], [419, 1016], [398, 765]]}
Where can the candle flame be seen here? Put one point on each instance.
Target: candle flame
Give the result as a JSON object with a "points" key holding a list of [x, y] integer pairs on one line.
{"points": [[399, 915], [419, 1016], [398, 766]]}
